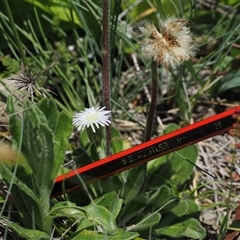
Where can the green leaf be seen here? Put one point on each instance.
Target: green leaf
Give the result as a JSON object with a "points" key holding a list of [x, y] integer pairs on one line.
{"points": [[14, 122], [181, 168], [123, 235], [101, 216], [132, 181], [43, 139], [27, 234], [34, 122], [61, 126], [49, 108], [67, 209], [142, 10], [26, 200], [12, 179], [181, 221], [88, 234], [46, 164], [133, 208], [84, 223], [146, 222], [116, 142], [161, 198], [111, 202], [61, 135], [228, 82], [96, 214], [185, 207], [188, 228], [61, 10]]}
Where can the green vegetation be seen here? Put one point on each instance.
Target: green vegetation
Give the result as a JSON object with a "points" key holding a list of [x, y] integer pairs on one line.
{"points": [[51, 56]]}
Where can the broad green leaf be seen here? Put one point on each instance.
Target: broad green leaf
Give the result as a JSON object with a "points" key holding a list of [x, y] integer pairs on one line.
{"points": [[190, 228], [146, 222], [61, 135], [66, 209], [123, 235], [178, 218], [181, 168], [93, 235], [170, 128], [185, 207], [98, 215], [84, 223], [133, 208], [43, 148], [173, 167], [14, 122], [32, 148], [144, 9], [111, 202], [161, 198], [86, 235], [11, 178], [60, 9], [46, 164], [229, 81], [49, 108], [132, 181], [27, 234], [26, 200], [116, 142], [101, 216]]}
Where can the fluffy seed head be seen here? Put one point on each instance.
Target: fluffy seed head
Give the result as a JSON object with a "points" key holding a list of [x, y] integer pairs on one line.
{"points": [[169, 47]]}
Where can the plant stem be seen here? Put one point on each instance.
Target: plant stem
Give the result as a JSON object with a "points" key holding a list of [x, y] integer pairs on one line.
{"points": [[17, 38], [106, 70], [154, 90]]}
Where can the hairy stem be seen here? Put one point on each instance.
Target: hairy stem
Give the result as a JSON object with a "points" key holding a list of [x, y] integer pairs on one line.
{"points": [[150, 117], [15, 32], [106, 70]]}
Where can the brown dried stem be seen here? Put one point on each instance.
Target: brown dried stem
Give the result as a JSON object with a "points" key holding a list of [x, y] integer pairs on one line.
{"points": [[151, 114], [106, 70]]}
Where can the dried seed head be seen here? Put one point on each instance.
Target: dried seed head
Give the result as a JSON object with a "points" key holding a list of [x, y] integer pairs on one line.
{"points": [[27, 81], [169, 47]]}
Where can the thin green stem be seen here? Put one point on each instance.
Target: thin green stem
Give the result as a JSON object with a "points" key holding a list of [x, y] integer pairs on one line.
{"points": [[106, 70], [151, 114], [17, 38]]}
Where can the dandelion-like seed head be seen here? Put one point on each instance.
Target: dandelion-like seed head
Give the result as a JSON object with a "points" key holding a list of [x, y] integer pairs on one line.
{"points": [[170, 46], [27, 81], [92, 117]]}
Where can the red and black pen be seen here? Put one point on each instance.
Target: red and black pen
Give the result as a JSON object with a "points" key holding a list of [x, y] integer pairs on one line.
{"points": [[145, 152]]}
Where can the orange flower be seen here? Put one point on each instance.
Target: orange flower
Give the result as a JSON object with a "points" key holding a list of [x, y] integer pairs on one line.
{"points": [[171, 46]]}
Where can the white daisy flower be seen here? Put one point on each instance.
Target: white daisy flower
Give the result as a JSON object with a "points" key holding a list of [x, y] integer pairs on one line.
{"points": [[170, 46], [92, 117]]}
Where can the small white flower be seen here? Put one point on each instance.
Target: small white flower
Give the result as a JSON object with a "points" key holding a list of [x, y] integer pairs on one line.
{"points": [[170, 46], [92, 117]]}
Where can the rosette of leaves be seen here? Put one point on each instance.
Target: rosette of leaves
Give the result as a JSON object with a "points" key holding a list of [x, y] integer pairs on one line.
{"points": [[40, 137]]}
